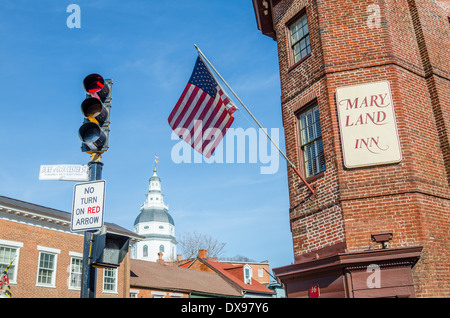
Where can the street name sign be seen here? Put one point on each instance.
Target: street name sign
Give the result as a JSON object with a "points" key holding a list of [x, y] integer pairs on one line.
{"points": [[64, 172], [88, 206]]}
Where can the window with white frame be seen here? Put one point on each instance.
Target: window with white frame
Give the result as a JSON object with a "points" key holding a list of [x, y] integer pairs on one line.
{"points": [[110, 280], [76, 265], [46, 268], [247, 274], [311, 141], [158, 294], [9, 251]]}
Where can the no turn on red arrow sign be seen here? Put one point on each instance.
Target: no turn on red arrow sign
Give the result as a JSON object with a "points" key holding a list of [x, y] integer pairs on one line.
{"points": [[88, 206]]}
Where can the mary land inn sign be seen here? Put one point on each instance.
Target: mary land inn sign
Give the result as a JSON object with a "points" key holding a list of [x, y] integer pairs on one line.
{"points": [[367, 124]]}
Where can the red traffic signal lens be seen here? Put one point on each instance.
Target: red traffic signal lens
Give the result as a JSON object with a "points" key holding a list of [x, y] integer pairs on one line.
{"points": [[95, 86], [93, 83]]}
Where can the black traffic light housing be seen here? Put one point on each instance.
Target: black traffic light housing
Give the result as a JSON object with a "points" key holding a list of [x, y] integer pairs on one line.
{"points": [[96, 108], [109, 250]]}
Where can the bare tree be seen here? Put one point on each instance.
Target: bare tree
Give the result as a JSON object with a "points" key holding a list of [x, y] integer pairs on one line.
{"points": [[190, 243], [238, 258]]}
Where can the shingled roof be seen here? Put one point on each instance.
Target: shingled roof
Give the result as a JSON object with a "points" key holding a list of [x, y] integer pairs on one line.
{"points": [[145, 274]]}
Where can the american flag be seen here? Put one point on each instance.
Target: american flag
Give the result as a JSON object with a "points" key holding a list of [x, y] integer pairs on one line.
{"points": [[203, 113]]}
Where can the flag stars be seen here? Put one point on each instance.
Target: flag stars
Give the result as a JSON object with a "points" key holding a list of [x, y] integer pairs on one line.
{"points": [[201, 77]]}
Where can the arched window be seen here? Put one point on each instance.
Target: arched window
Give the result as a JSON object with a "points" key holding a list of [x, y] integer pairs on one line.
{"points": [[161, 248], [247, 274], [145, 252]]}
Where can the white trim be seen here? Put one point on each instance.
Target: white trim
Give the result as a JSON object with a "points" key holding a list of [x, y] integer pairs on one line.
{"points": [[11, 243], [75, 254], [48, 249], [34, 215], [161, 294], [134, 292]]}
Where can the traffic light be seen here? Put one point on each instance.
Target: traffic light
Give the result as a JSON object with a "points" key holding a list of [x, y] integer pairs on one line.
{"points": [[109, 250], [94, 133]]}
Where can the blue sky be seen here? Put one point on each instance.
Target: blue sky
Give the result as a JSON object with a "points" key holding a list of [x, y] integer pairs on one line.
{"points": [[147, 48]]}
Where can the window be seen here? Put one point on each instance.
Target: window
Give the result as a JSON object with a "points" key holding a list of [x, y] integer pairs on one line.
{"points": [[134, 293], [76, 265], [7, 254], [161, 248], [311, 141], [299, 37], [110, 280], [158, 294], [260, 272], [247, 274], [46, 270], [145, 251]]}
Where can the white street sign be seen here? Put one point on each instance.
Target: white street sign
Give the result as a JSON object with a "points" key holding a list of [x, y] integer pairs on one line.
{"points": [[88, 206], [64, 172]]}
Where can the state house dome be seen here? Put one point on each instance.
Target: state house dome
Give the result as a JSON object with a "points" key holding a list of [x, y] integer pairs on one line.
{"points": [[157, 226], [154, 215]]}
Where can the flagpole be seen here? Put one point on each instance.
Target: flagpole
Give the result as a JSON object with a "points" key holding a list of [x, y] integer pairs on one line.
{"points": [[257, 122]]}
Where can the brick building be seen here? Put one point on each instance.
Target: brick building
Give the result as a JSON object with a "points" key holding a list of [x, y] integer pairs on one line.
{"points": [[246, 278], [366, 111], [160, 280], [48, 256]]}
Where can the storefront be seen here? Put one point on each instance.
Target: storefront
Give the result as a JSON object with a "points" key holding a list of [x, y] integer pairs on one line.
{"points": [[334, 273]]}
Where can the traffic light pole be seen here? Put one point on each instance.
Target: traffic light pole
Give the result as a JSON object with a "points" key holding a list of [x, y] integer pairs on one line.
{"points": [[94, 134], [89, 273]]}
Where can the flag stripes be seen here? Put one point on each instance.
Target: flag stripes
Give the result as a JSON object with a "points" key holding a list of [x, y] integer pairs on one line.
{"points": [[203, 113]]}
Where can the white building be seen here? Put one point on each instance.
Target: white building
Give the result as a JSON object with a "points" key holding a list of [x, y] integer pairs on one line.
{"points": [[156, 224]]}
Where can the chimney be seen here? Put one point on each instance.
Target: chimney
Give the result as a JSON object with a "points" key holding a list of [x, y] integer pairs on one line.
{"points": [[160, 260], [202, 253]]}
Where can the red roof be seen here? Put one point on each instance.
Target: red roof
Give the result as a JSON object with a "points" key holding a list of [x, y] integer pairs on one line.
{"points": [[235, 273]]}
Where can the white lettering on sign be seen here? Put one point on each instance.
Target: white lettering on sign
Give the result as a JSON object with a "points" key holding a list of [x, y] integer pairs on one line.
{"points": [[367, 124], [88, 206]]}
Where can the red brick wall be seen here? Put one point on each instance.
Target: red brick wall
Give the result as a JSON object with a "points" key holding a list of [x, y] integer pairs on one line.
{"points": [[411, 199], [31, 236]]}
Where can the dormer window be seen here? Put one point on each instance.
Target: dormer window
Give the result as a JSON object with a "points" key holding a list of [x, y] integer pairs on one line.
{"points": [[247, 274]]}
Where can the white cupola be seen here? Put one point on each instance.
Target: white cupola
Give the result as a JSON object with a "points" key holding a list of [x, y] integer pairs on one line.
{"points": [[156, 224]]}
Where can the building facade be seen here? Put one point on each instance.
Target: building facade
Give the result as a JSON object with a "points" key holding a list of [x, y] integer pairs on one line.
{"points": [[159, 280], [366, 111], [48, 256], [157, 225], [238, 275]]}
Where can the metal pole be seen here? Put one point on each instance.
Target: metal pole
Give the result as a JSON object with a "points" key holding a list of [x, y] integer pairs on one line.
{"points": [[89, 273], [257, 122]]}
